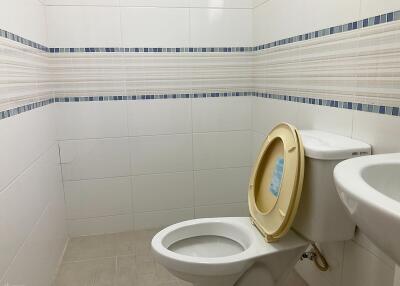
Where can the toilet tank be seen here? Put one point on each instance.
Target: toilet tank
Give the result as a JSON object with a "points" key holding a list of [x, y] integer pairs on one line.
{"points": [[321, 216]]}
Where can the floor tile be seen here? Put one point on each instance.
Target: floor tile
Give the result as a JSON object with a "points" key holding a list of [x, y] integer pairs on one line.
{"points": [[88, 247], [122, 259], [96, 272]]}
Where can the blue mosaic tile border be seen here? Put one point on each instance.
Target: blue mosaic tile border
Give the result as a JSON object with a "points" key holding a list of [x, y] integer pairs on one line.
{"points": [[153, 96], [24, 108], [152, 50], [379, 109], [367, 22], [22, 40]]}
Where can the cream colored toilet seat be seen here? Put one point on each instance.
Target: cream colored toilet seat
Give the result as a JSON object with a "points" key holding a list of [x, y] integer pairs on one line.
{"points": [[276, 182]]}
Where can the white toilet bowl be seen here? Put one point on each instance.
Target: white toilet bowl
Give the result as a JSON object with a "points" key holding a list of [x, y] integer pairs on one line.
{"points": [[219, 251], [262, 248]]}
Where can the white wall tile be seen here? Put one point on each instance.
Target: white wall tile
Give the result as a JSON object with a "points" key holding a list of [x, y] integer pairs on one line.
{"points": [[258, 140], [83, 26], [271, 12], [333, 252], [163, 153], [222, 114], [377, 130], [221, 149], [361, 268], [162, 191], [258, 2], [220, 27], [37, 260], [333, 120], [17, 219], [95, 158], [155, 3], [100, 225], [100, 197], [33, 26], [300, 18], [155, 27], [267, 113], [91, 120], [24, 138], [81, 2], [153, 117], [221, 186], [227, 210], [330, 13], [243, 4], [363, 241], [150, 220], [371, 8], [311, 275]]}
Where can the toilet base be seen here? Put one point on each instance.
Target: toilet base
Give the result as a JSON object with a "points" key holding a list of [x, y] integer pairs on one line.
{"points": [[271, 270], [208, 280], [179, 249]]}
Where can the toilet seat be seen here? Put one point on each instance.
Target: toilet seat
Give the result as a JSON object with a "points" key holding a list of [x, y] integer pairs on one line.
{"points": [[276, 182]]}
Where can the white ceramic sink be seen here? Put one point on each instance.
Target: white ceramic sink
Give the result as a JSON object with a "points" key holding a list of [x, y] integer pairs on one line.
{"points": [[369, 187]]}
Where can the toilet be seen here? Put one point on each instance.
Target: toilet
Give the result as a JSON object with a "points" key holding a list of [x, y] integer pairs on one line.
{"points": [[292, 203]]}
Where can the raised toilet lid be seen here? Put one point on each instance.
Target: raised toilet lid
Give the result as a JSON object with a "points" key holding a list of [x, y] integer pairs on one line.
{"points": [[276, 182]]}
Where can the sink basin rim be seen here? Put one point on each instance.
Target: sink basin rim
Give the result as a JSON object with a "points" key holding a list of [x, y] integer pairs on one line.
{"points": [[348, 178]]}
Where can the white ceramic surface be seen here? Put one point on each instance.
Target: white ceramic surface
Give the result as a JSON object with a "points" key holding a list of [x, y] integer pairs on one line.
{"points": [[326, 146], [33, 14], [178, 248], [94, 158], [221, 149], [368, 187]]}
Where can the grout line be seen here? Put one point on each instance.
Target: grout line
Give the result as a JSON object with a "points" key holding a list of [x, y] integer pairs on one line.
{"points": [[133, 254], [34, 227], [61, 260], [193, 161], [149, 6], [30, 165], [160, 173], [260, 4], [99, 216], [155, 135]]}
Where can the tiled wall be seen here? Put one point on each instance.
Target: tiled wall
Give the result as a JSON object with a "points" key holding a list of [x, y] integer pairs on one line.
{"points": [[144, 47], [356, 66], [195, 152], [147, 163], [23, 70], [33, 13], [132, 23], [32, 212], [339, 61]]}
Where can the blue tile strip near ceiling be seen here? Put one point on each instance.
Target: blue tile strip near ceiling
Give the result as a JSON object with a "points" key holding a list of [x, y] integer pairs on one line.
{"points": [[372, 21], [367, 22]]}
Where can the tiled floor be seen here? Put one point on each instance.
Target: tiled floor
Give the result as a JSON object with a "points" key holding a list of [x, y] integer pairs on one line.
{"points": [[122, 259]]}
